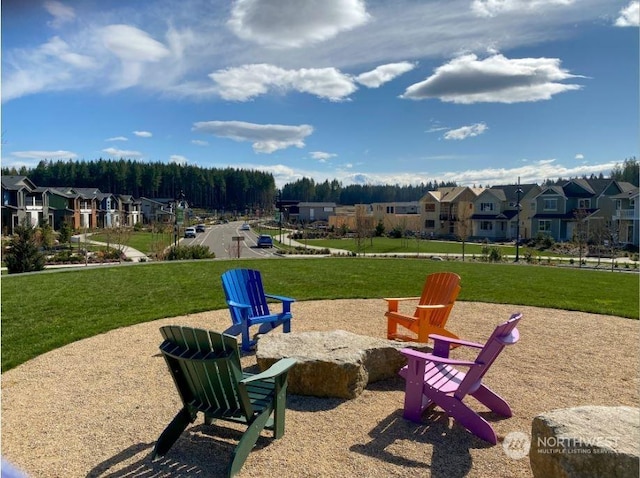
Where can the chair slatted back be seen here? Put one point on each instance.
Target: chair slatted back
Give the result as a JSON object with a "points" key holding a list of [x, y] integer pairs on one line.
{"points": [[440, 288], [245, 286], [503, 335], [206, 369]]}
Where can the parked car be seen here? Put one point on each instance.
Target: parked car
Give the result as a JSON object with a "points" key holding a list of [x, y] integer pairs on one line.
{"points": [[190, 232], [245, 227], [200, 228], [264, 240]]}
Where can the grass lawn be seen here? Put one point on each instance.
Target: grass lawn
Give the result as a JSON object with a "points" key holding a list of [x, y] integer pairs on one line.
{"points": [[140, 240], [46, 310]]}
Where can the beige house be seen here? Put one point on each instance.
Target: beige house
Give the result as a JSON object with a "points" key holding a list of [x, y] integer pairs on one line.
{"points": [[447, 212]]}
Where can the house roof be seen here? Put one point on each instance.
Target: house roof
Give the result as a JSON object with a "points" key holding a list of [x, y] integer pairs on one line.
{"points": [[17, 182]]}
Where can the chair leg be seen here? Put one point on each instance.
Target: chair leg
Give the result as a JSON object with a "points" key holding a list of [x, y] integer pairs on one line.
{"points": [[172, 432], [286, 326], [246, 338], [493, 401], [467, 418], [279, 412], [247, 442]]}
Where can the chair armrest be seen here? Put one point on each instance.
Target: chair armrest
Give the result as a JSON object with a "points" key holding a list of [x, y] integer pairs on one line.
{"points": [[410, 353], [277, 369], [401, 298], [434, 306], [280, 298], [233, 303], [451, 340]]}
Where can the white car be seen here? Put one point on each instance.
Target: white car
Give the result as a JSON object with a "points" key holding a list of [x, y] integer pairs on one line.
{"points": [[190, 232], [245, 227]]}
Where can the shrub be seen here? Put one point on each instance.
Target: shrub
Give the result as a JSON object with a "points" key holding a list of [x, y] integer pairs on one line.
{"points": [[23, 254], [177, 253]]}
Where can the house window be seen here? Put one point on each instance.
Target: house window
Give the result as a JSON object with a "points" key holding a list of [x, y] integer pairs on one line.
{"points": [[618, 204], [584, 203], [550, 204], [430, 207], [544, 225], [486, 226], [486, 206], [389, 209], [430, 224]]}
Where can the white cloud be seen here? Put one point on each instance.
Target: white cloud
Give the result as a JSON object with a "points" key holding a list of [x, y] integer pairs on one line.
{"points": [[322, 156], [199, 142], [143, 134], [287, 24], [579, 156], [629, 16], [122, 153], [178, 159], [466, 131], [247, 81], [495, 79], [61, 13], [59, 154], [491, 8], [117, 138], [132, 44], [266, 138], [384, 73]]}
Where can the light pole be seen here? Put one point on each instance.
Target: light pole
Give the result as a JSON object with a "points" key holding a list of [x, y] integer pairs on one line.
{"points": [[518, 192], [178, 204]]}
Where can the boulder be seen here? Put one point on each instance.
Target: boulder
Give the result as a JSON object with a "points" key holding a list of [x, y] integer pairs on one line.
{"points": [[334, 363], [589, 441]]}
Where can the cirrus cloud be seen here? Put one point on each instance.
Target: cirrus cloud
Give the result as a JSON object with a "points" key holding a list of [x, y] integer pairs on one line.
{"points": [[266, 138], [122, 153], [496, 79], [465, 132], [491, 8]]}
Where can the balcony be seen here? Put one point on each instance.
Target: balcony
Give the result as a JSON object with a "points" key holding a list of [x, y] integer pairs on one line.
{"points": [[625, 214], [448, 217]]}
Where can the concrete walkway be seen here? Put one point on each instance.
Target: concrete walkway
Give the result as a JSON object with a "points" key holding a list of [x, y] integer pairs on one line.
{"points": [[129, 252]]}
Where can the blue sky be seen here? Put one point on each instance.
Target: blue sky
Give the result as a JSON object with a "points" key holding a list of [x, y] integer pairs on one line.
{"points": [[480, 92]]}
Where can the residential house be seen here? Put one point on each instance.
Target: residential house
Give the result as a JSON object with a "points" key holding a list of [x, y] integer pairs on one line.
{"points": [[447, 212], [501, 213], [309, 212], [109, 211], [560, 210], [20, 199], [159, 210], [59, 206], [626, 216], [392, 215], [131, 209]]}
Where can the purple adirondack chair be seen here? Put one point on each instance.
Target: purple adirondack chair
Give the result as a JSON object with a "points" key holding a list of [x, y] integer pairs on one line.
{"points": [[433, 379]]}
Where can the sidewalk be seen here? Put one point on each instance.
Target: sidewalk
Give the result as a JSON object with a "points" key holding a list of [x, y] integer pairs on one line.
{"points": [[129, 252]]}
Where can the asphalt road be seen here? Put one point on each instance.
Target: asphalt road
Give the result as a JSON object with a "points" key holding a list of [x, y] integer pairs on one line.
{"points": [[222, 240]]}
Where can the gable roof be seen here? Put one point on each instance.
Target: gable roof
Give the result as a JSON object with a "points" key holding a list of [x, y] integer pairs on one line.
{"points": [[16, 183]]}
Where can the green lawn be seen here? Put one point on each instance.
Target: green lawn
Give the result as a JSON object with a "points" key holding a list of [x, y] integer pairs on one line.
{"points": [[139, 240], [46, 310]]}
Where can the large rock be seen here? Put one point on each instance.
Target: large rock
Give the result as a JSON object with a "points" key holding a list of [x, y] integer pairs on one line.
{"points": [[589, 441], [335, 363]]}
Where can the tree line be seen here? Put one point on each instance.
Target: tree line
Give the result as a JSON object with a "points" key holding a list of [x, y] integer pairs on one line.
{"points": [[229, 188]]}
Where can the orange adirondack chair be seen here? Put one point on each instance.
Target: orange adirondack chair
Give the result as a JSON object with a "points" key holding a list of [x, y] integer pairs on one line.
{"points": [[438, 296]]}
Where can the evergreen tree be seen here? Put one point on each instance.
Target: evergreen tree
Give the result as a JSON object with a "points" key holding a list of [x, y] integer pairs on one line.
{"points": [[23, 254]]}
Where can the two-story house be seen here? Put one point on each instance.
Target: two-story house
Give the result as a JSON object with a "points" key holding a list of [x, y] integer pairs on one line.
{"points": [[21, 199], [560, 209], [501, 213], [309, 212], [403, 215], [131, 209], [627, 216], [447, 211]]}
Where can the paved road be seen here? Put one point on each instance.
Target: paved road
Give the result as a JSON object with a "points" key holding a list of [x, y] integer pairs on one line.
{"points": [[220, 239]]}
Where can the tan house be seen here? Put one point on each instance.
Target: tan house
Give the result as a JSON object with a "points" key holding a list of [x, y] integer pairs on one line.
{"points": [[392, 215], [447, 212]]}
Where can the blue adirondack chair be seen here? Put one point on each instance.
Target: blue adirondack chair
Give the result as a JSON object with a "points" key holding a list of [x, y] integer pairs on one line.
{"points": [[206, 370], [248, 305], [433, 379]]}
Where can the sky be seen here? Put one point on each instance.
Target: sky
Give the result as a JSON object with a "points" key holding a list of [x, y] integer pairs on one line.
{"points": [[480, 92]]}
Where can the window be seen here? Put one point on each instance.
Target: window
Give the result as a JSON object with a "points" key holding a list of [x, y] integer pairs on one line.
{"points": [[550, 204], [584, 203], [430, 224], [430, 207], [389, 209], [544, 225], [486, 206], [486, 226]]}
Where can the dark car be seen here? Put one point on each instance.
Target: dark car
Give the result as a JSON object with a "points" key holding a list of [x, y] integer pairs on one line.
{"points": [[200, 228], [264, 240]]}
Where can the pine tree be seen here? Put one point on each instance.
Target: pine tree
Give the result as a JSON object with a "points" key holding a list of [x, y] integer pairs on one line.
{"points": [[23, 254]]}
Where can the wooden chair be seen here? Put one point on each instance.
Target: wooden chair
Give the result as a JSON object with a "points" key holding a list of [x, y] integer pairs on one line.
{"points": [[440, 292], [206, 370], [433, 379], [248, 306]]}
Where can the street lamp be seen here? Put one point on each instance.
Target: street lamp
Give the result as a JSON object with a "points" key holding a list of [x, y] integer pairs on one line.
{"points": [[178, 205], [518, 192]]}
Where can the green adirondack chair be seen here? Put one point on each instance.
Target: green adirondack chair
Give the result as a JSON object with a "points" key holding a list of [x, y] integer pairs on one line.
{"points": [[206, 369]]}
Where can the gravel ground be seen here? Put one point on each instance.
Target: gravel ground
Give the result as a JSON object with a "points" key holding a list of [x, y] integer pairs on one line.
{"points": [[95, 407]]}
